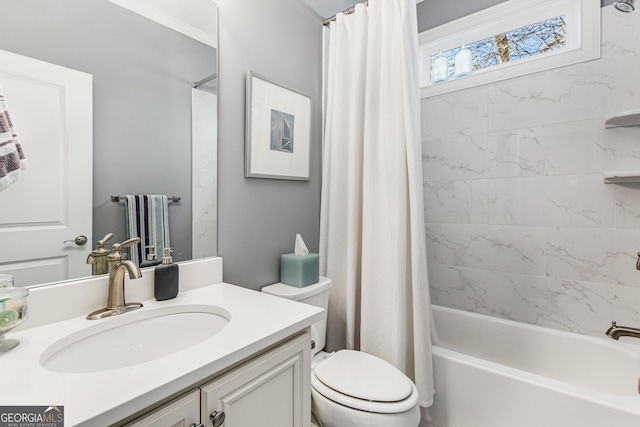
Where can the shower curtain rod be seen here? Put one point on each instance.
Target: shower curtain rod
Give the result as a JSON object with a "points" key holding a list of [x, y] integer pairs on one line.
{"points": [[195, 85], [349, 11]]}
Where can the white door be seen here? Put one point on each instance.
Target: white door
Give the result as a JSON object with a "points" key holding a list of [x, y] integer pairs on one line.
{"points": [[51, 109]]}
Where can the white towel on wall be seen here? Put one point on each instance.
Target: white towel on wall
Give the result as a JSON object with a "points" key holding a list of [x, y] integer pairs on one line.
{"points": [[147, 217], [12, 160]]}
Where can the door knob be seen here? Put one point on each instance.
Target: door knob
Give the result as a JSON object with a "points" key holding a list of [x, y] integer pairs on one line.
{"points": [[217, 418], [80, 240]]}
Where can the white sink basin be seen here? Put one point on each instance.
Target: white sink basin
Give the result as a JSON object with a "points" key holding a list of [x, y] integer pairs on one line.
{"points": [[134, 337]]}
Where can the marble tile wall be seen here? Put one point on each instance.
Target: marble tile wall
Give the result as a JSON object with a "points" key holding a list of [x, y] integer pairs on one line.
{"points": [[519, 221]]}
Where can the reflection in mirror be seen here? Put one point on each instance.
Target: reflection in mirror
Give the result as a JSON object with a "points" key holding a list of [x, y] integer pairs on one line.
{"points": [[103, 100]]}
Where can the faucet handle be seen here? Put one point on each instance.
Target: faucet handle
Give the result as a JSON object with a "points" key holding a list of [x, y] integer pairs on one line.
{"points": [[129, 242], [105, 239], [115, 249]]}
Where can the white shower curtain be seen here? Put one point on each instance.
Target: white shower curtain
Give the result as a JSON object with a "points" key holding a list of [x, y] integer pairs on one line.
{"points": [[372, 241]]}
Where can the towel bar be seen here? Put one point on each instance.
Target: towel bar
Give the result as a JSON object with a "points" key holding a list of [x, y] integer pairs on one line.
{"points": [[173, 199]]}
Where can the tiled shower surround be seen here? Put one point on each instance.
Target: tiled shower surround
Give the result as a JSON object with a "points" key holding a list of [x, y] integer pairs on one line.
{"points": [[520, 223]]}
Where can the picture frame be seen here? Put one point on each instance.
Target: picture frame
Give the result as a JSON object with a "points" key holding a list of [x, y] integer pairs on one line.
{"points": [[278, 130]]}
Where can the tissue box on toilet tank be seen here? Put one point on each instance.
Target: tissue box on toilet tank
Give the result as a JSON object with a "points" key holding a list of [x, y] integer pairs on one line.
{"points": [[299, 270]]}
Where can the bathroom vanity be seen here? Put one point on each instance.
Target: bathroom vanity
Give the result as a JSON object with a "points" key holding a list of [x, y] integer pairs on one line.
{"points": [[271, 389], [153, 367]]}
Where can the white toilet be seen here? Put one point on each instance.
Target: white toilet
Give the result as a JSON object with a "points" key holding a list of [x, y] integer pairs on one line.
{"points": [[350, 388]]}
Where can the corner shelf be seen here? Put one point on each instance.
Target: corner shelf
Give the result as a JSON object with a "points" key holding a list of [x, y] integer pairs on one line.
{"points": [[622, 119], [621, 177], [625, 118]]}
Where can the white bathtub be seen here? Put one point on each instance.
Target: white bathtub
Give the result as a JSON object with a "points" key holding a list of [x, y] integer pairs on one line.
{"points": [[499, 373]]}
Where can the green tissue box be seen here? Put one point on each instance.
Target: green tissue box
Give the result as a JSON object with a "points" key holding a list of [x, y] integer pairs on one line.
{"points": [[299, 271]]}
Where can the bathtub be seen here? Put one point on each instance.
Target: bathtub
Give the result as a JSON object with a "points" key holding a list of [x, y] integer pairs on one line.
{"points": [[499, 373]]}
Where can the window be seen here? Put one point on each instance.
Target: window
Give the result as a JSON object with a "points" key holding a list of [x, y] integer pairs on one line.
{"points": [[511, 39], [542, 37]]}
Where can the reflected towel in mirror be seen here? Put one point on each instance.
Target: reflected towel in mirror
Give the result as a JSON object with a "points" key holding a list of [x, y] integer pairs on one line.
{"points": [[12, 160], [147, 217]]}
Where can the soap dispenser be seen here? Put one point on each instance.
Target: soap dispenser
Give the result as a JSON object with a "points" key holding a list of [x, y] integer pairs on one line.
{"points": [[166, 277]]}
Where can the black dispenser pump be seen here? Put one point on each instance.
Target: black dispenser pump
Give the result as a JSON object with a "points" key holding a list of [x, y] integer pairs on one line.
{"points": [[166, 278]]}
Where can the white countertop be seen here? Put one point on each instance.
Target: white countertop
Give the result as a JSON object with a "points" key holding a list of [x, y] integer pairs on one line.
{"points": [[101, 398]]}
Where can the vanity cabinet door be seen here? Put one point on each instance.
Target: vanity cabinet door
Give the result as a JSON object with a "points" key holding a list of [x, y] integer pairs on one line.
{"points": [[182, 412], [272, 390]]}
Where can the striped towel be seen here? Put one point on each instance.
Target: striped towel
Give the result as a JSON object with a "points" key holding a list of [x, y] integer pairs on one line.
{"points": [[12, 160], [147, 218]]}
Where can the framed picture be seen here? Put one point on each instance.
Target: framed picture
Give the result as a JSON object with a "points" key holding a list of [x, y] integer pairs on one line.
{"points": [[278, 133]]}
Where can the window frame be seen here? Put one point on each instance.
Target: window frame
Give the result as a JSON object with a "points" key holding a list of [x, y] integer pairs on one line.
{"points": [[583, 40]]}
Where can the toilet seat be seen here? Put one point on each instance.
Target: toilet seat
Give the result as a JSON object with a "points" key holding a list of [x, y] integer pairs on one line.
{"points": [[364, 382]]}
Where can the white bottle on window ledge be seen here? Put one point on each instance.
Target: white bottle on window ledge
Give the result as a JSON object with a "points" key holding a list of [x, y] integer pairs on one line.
{"points": [[463, 65], [440, 68]]}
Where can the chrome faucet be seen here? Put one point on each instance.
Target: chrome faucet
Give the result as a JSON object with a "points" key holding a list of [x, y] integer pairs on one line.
{"points": [[616, 331], [117, 266]]}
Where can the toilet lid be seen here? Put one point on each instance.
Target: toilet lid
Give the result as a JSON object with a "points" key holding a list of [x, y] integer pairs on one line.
{"points": [[364, 376]]}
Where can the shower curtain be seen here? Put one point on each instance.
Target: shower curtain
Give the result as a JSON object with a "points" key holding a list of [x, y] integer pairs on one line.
{"points": [[372, 241]]}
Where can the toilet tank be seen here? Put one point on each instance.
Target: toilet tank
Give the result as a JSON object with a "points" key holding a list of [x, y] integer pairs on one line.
{"points": [[316, 294]]}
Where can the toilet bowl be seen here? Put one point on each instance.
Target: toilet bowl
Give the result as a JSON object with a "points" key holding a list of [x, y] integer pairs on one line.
{"points": [[351, 388]]}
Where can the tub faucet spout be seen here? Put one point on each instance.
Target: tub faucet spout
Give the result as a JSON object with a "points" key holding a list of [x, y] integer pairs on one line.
{"points": [[616, 331]]}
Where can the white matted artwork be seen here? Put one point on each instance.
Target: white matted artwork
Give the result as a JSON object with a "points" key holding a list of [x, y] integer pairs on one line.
{"points": [[278, 134]]}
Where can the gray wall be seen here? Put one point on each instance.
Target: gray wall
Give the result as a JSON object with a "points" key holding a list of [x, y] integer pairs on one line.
{"points": [[142, 74], [432, 13], [259, 218]]}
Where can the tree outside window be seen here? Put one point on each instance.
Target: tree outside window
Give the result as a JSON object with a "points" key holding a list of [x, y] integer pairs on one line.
{"points": [[538, 38]]}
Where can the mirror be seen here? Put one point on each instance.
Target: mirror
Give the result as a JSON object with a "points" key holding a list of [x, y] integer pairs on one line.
{"points": [[152, 132]]}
